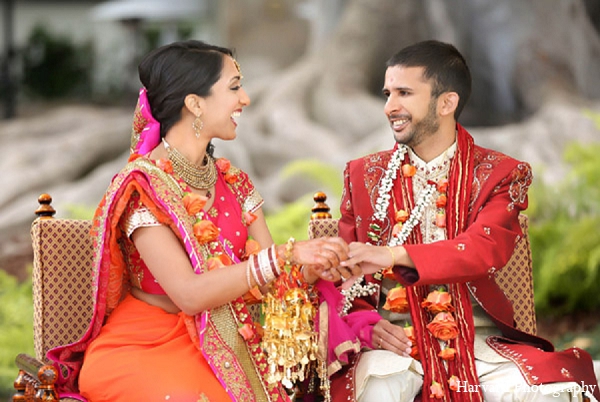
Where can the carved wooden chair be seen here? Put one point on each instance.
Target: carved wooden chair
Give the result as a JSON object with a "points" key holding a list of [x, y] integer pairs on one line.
{"points": [[515, 279], [62, 297]]}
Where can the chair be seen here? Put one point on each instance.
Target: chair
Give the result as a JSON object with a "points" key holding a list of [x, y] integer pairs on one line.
{"points": [[515, 279], [62, 297]]}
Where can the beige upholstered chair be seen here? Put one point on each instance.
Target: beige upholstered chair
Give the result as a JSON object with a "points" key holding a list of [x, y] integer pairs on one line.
{"points": [[515, 279], [62, 262]]}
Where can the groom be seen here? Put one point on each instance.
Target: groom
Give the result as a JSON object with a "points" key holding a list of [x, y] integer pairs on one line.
{"points": [[431, 220]]}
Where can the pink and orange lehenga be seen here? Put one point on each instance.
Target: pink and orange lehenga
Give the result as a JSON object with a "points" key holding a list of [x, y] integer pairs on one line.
{"points": [[142, 352]]}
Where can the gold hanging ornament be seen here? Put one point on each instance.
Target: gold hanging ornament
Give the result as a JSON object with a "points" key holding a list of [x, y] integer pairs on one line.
{"points": [[289, 341]]}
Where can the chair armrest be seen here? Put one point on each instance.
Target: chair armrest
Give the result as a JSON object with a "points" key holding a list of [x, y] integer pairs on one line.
{"points": [[35, 381]]}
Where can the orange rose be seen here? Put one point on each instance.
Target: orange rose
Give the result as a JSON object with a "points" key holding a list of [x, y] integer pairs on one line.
{"points": [[205, 231], [165, 165], [408, 170], [213, 263], [388, 273], [194, 203], [397, 228], [253, 296], [442, 185], [248, 218], [133, 157], [443, 327], [247, 331], [440, 220], [223, 164], [252, 247], [441, 201], [218, 261], [401, 216], [396, 300], [410, 334], [447, 354], [454, 383], [230, 178], [438, 301], [436, 390]]}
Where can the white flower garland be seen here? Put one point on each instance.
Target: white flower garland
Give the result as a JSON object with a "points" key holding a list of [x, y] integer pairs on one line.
{"points": [[381, 208]]}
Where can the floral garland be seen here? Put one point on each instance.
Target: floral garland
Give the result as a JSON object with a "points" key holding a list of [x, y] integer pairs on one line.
{"points": [[438, 302], [288, 337], [357, 289], [206, 232]]}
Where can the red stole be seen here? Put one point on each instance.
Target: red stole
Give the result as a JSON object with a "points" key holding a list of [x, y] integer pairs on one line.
{"points": [[463, 366]]}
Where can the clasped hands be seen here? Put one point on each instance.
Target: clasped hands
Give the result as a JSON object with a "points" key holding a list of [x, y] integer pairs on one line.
{"points": [[332, 259]]}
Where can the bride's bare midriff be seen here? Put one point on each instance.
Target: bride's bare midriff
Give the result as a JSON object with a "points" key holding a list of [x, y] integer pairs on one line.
{"points": [[162, 301]]}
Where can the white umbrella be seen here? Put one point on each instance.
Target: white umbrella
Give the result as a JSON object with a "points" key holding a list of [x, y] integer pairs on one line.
{"points": [[148, 9]]}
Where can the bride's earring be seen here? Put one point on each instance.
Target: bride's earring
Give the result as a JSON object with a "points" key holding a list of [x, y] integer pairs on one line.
{"points": [[197, 125]]}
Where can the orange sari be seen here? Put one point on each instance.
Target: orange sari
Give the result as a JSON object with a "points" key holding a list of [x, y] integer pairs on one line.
{"points": [[140, 341]]}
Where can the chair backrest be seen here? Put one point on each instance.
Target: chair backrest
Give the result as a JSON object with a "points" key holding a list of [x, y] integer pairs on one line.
{"points": [[515, 279], [62, 269]]}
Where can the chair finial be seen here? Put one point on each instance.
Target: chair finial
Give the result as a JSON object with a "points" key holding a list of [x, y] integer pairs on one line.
{"points": [[320, 210], [45, 210]]}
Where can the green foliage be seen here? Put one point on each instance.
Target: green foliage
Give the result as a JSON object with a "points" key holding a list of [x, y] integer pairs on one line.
{"points": [[54, 67], [329, 177], [16, 327], [79, 211], [565, 239]]}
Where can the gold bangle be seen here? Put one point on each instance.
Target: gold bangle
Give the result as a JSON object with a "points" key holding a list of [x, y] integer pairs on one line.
{"points": [[289, 253], [393, 256], [248, 270]]}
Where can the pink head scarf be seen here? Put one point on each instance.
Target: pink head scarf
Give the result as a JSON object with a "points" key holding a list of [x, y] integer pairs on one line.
{"points": [[145, 134]]}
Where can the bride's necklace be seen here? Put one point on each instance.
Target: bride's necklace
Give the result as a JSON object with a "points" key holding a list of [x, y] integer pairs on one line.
{"points": [[199, 177]]}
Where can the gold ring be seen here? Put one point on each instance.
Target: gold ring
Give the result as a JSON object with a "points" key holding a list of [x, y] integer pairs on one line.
{"points": [[379, 344]]}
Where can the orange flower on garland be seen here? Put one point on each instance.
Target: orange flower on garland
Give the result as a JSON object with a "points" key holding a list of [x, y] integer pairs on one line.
{"points": [[248, 218], [218, 261], [408, 170], [254, 295], [437, 301], [442, 186], [247, 331], [436, 390], [388, 273], [454, 383], [165, 164], [251, 247], [401, 216], [205, 231], [194, 203], [133, 157], [409, 330], [230, 178], [225, 166], [447, 354], [440, 203], [397, 300], [443, 327]]}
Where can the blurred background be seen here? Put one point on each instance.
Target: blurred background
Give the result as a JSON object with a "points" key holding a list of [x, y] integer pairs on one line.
{"points": [[314, 71]]}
